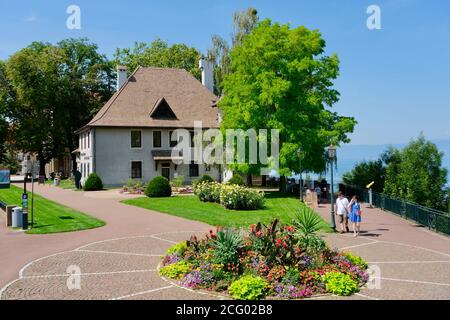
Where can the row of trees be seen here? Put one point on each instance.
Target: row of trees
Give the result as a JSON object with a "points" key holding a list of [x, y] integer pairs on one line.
{"points": [[271, 76], [414, 173]]}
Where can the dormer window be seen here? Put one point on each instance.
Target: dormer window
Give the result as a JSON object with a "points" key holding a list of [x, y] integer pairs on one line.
{"points": [[162, 110]]}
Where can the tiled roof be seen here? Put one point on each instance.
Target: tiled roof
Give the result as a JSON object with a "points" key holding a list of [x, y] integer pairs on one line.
{"points": [[132, 105]]}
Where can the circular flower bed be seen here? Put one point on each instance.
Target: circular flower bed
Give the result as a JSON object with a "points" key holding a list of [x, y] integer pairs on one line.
{"points": [[280, 261]]}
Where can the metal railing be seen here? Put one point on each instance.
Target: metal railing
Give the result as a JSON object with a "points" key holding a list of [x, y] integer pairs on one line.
{"points": [[434, 220]]}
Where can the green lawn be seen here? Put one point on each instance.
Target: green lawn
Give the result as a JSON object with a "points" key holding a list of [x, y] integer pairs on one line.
{"points": [[49, 216], [65, 184], [278, 206]]}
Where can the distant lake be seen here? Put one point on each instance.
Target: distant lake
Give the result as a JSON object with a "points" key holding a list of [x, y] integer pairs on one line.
{"points": [[349, 155]]}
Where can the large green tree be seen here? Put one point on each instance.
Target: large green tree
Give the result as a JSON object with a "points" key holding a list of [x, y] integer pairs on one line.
{"points": [[416, 174], [365, 172], [280, 79], [87, 82], [160, 54], [3, 135], [219, 53], [48, 91], [33, 75]]}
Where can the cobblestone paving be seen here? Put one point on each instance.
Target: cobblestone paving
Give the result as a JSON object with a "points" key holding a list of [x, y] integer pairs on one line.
{"points": [[126, 269]]}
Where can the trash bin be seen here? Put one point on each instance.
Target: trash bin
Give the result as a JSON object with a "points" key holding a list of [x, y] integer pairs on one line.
{"points": [[17, 217], [56, 182]]}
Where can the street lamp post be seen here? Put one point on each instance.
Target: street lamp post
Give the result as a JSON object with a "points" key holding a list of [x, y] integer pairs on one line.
{"points": [[299, 153], [332, 156]]}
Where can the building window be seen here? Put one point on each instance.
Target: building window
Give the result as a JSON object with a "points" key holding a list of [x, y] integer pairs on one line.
{"points": [[88, 169], [136, 139], [207, 167], [156, 139], [88, 140], [171, 142], [136, 169], [193, 170]]}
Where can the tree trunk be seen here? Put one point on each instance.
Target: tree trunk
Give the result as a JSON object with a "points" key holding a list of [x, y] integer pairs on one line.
{"points": [[73, 157], [42, 163], [264, 181], [249, 180], [282, 183]]}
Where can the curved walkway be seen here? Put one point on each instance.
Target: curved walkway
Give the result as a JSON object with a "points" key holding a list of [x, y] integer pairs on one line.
{"points": [[119, 261], [18, 248]]}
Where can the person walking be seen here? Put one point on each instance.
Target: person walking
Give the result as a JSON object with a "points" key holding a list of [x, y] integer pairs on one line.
{"points": [[355, 215], [342, 212], [318, 192]]}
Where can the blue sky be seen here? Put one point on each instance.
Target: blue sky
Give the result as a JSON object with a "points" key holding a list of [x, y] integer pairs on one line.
{"points": [[395, 81]]}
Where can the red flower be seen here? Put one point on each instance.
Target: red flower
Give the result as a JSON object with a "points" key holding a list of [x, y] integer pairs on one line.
{"points": [[278, 242], [289, 228]]}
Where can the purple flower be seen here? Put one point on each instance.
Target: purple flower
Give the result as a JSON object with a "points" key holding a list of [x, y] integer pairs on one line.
{"points": [[292, 292], [306, 260], [192, 279], [171, 259], [198, 277]]}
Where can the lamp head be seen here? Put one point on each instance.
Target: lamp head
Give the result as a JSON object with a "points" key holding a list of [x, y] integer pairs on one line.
{"points": [[332, 151]]}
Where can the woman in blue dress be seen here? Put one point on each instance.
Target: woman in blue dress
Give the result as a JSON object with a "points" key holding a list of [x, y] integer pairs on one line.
{"points": [[355, 215]]}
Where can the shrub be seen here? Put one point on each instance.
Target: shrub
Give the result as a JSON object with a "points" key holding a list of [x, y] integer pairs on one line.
{"points": [[356, 260], [205, 178], [208, 191], [241, 198], [340, 283], [158, 187], [248, 288], [236, 179], [176, 270], [227, 246], [177, 182], [307, 222], [93, 183], [179, 248]]}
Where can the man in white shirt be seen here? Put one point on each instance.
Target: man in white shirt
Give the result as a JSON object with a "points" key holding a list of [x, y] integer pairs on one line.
{"points": [[341, 211]]}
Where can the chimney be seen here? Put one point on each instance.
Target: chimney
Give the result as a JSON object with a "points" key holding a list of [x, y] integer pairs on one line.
{"points": [[121, 76], [207, 69]]}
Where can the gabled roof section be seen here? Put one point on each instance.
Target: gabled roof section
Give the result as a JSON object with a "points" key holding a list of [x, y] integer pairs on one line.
{"points": [[180, 99], [162, 111]]}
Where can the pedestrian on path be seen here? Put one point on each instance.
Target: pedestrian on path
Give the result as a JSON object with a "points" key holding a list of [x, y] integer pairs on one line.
{"points": [[318, 192], [342, 212], [355, 215]]}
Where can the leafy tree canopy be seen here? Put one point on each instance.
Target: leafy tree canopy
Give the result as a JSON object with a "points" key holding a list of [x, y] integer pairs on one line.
{"points": [[281, 79], [365, 172], [160, 54], [416, 174], [219, 53], [48, 91]]}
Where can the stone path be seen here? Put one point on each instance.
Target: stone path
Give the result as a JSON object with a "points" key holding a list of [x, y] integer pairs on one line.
{"points": [[119, 261]]}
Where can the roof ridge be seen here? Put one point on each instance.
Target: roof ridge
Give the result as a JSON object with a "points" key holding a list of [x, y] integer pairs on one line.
{"points": [[117, 94], [164, 68]]}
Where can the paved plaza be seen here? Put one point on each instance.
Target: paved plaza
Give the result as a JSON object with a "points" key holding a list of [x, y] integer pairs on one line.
{"points": [[120, 260]]}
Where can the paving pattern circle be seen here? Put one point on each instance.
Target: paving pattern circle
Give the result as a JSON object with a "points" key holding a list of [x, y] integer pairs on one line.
{"points": [[126, 268]]}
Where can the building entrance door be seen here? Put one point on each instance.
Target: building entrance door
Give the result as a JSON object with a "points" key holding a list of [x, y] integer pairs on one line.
{"points": [[165, 170]]}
